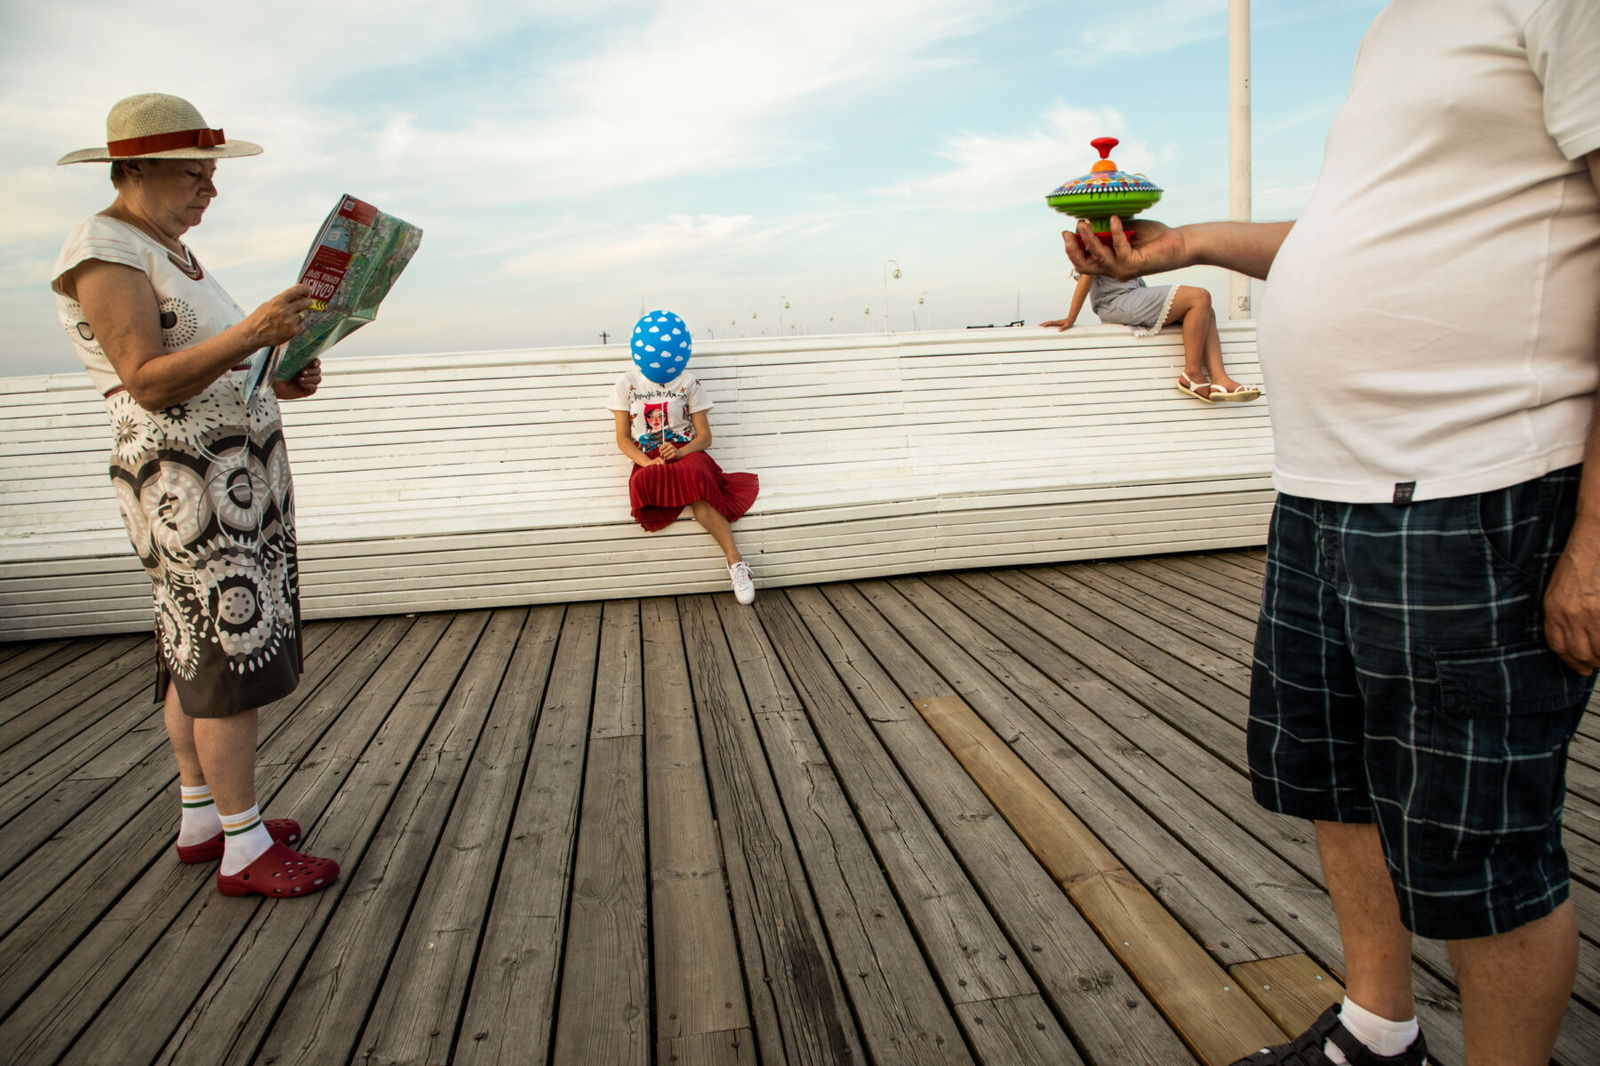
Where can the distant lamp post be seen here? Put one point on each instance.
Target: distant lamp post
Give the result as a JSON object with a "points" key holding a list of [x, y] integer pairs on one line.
{"points": [[785, 307], [886, 276], [922, 301]]}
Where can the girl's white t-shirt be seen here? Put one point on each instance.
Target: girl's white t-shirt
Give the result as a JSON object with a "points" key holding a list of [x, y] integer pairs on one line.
{"points": [[655, 407]]}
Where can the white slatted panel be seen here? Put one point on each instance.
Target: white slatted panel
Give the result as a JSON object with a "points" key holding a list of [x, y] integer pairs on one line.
{"points": [[491, 478]]}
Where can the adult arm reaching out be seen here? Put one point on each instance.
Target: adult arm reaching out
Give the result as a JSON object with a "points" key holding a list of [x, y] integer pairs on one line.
{"points": [[1151, 247]]}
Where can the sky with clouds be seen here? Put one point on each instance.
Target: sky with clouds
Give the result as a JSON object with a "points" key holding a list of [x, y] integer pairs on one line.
{"points": [[754, 166]]}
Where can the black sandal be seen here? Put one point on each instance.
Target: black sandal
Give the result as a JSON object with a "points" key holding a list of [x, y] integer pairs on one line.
{"points": [[1306, 1049]]}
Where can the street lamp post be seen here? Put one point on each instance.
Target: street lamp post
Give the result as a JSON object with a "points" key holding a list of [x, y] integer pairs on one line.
{"points": [[886, 276]]}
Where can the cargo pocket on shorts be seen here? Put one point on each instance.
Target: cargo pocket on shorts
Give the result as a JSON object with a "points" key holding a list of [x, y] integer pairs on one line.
{"points": [[1494, 760]]}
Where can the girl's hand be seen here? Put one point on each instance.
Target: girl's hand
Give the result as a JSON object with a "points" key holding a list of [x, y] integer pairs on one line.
{"points": [[302, 384], [668, 450], [1061, 324]]}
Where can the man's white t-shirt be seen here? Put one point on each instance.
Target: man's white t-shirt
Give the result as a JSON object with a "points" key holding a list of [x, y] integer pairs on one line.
{"points": [[1431, 326]]}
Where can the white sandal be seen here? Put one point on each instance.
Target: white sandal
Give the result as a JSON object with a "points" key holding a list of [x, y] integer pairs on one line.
{"points": [[1242, 394], [1188, 387]]}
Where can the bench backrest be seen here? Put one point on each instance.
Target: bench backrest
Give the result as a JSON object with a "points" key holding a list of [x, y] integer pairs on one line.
{"points": [[484, 443]]}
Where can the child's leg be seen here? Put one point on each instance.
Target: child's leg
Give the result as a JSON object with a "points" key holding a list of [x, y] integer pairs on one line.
{"points": [[1202, 344], [718, 527]]}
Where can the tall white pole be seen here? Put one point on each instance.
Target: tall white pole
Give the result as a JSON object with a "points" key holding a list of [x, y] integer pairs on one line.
{"points": [[1238, 140]]}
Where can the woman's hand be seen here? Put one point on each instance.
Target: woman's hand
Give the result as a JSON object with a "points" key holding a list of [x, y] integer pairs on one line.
{"points": [[280, 319], [302, 384], [1061, 324], [668, 450]]}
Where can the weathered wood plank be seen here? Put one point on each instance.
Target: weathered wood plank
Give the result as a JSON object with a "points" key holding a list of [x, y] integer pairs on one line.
{"points": [[167, 921], [295, 939], [1295, 898], [799, 1010], [1194, 601], [1292, 989], [1218, 1021], [229, 1020], [901, 1014], [411, 936], [1098, 671], [1107, 1014], [119, 917], [1143, 813], [1214, 684], [51, 839], [699, 989], [38, 659], [729, 1047], [605, 1008], [1163, 609], [61, 743], [511, 1008], [1015, 1031]]}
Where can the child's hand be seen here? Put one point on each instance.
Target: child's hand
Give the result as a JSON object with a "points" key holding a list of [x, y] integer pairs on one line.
{"points": [[1061, 324]]}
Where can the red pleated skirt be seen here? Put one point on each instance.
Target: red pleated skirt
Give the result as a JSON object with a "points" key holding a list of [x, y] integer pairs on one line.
{"points": [[659, 494]]}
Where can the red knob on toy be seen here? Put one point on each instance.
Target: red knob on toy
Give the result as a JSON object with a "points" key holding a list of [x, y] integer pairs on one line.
{"points": [[1104, 145]]}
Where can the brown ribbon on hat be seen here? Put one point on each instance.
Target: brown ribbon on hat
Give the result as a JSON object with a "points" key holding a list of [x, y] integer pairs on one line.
{"points": [[134, 147]]}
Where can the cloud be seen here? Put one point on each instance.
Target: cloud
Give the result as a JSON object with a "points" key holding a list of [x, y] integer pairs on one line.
{"points": [[698, 86], [985, 169], [678, 238], [1141, 28]]}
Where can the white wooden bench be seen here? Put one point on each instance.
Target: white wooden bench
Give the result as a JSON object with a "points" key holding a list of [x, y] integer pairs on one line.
{"points": [[492, 478]]}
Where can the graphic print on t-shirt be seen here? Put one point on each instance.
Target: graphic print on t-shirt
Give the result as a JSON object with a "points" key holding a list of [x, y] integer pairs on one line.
{"points": [[656, 427]]}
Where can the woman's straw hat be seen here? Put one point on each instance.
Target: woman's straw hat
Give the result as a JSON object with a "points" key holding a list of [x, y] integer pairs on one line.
{"points": [[158, 126]]}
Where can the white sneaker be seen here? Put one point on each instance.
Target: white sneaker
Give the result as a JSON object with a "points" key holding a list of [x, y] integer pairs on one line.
{"points": [[744, 588]]}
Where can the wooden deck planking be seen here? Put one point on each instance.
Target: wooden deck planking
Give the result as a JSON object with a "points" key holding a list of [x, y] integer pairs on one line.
{"points": [[893, 995], [679, 830], [797, 999]]}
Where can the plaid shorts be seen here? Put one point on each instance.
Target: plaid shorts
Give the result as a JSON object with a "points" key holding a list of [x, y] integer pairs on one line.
{"points": [[1402, 677]]}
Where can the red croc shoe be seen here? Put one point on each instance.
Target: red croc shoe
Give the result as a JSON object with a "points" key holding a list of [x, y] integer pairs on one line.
{"points": [[283, 830], [280, 871]]}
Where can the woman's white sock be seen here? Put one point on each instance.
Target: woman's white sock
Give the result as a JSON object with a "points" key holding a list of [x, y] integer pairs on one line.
{"points": [[245, 839], [200, 822]]}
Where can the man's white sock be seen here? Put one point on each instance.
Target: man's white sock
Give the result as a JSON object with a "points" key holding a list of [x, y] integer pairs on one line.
{"points": [[1379, 1034]]}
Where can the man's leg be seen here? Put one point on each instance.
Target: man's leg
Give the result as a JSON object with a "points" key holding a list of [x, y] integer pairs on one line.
{"points": [[1515, 987], [1377, 948]]}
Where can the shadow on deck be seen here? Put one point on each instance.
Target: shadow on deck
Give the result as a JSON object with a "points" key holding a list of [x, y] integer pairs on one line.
{"points": [[678, 830]]}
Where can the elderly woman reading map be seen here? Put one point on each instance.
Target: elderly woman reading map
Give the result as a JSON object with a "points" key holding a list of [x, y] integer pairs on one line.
{"points": [[200, 474]]}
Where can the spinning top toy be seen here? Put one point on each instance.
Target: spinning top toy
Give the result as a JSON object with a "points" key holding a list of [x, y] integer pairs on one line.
{"points": [[1103, 192]]}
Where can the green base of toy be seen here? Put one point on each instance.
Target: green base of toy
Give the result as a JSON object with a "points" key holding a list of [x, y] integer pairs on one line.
{"points": [[1098, 208]]}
